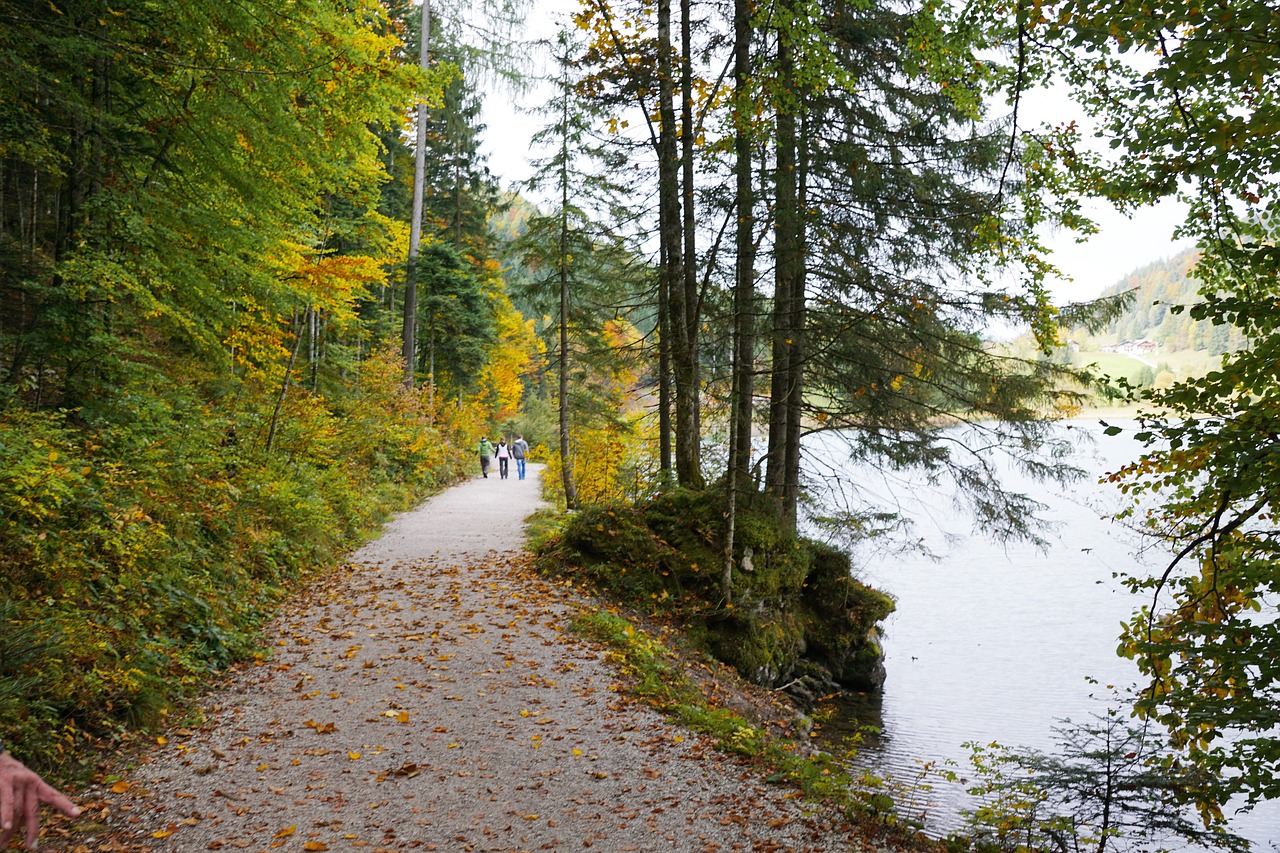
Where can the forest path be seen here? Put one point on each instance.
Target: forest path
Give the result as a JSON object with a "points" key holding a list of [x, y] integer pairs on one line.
{"points": [[429, 697]]}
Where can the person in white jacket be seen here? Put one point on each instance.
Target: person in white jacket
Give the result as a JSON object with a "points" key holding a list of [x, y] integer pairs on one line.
{"points": [[504, 456]]}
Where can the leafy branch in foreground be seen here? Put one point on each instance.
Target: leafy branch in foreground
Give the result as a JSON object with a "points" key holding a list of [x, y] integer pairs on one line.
{"points": [[1180, 97], [1112, 786]]}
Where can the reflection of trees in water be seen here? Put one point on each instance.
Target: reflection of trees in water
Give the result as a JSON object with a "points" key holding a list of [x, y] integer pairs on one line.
{"points": [[851, 720]]}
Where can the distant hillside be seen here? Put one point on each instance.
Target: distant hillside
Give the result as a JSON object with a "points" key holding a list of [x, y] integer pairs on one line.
{"points": [[508, 221], [1148, 345], [1156, 287]]}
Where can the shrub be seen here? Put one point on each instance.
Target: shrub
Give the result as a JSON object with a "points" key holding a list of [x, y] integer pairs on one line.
{"points": [[143, 549]]}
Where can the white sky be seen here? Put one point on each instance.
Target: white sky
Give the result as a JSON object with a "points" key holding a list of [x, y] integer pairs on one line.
{"points": [[1121, 246]]}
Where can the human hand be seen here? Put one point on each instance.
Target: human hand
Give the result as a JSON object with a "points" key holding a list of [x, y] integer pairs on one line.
{"points": [[21, 793]]}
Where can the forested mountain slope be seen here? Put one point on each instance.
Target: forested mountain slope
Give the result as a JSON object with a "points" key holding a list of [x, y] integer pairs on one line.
{"points": [[1160, 290]]}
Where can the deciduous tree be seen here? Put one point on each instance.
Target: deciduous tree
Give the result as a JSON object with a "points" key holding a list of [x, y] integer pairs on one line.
{"points": [[1181, 101]]}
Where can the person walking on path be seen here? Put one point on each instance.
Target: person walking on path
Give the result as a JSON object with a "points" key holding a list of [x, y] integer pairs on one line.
{"points": [[504, 454], [519, 448], [486, 450]]}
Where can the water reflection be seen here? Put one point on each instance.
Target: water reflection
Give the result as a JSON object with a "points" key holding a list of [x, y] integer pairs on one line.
{"points": [[995, 642], [853, 718]]}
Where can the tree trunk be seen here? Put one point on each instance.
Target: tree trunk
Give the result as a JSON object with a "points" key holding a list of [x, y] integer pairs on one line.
{"points": [[431, 360], [688, 391], [566, 456], [669, 235], [743, 380], [786, 391], [284, 383], [313, 346], [664, 367], [795, 365]]}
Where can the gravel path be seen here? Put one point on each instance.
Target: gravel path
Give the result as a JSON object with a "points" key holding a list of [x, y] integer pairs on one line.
{"points": [[429, 697]]}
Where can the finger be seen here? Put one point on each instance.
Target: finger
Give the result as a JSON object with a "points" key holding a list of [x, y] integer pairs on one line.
{"points": [[54, 797], [6, 806], [5, 835], [31, 818]]}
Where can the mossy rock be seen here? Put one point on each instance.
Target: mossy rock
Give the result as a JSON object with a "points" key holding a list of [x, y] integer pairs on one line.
{"points": [[832, 591], [614, 547], [615, 534], [777, 575], [763, 646], [693, 526], [798, 601]]}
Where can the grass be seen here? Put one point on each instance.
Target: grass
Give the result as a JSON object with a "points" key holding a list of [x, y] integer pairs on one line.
{"points": [[1183, 364], [657, 674]]}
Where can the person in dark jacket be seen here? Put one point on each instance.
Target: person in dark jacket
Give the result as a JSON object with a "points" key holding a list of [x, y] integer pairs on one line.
{"points": [[519, 448]]}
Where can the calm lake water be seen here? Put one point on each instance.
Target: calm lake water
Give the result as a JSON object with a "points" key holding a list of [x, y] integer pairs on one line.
{"points": [[993, 642]]}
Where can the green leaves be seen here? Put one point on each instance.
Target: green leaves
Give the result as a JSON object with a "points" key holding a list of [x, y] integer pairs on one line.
{"points": [[1181, 98], [1107, 785], [189, 219]]}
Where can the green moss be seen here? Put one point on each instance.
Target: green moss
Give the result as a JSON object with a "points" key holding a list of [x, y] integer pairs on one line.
{"points": [[762, 646], [796, 598], [614, 548], [543, 526], [831, 590]]}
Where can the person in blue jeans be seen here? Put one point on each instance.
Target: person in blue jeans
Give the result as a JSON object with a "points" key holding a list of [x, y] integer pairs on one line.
{"points": [[519, 448]]}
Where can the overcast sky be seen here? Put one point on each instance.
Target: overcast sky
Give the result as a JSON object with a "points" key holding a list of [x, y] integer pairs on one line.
{"points": [[1122, 246]]}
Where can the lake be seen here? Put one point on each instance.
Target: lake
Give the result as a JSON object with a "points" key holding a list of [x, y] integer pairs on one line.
{"points": [[993, 642]]}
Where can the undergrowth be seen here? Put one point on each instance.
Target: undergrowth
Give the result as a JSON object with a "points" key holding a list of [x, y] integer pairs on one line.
{"points": [[658, 675], [143, 545], [655, 674], [794, 607]]}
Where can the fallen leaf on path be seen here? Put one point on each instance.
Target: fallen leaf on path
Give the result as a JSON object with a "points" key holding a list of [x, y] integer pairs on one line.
{"points": [[321, 728]]}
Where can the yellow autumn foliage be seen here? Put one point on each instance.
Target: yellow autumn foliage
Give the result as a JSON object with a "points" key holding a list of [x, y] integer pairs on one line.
{"points": [[518, 353], [328, 282], [611, 447]]}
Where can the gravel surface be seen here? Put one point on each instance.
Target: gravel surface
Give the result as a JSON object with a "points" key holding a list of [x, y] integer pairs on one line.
{"points": [[428, 697]]}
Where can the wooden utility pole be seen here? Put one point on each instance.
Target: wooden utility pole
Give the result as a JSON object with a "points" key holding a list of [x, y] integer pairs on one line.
{"points": [[415, 222]]}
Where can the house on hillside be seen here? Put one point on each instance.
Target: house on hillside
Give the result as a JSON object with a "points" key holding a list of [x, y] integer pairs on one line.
{"points": [[1142, 346]]}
